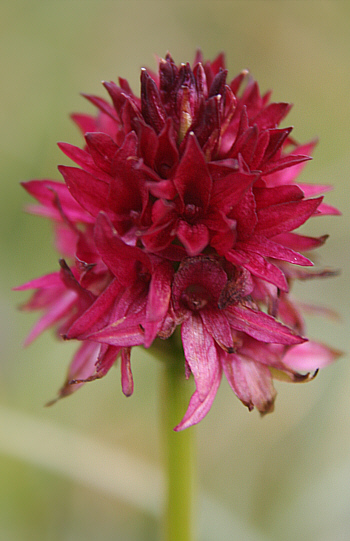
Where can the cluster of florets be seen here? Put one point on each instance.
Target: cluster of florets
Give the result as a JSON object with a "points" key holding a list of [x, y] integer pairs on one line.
{"points": [[181, 214]]}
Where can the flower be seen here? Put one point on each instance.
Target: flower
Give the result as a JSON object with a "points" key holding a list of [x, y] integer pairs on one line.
{"points": [[180, 216]]}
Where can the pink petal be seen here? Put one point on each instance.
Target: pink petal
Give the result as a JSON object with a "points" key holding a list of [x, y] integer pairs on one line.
{"points": [[261, 326], [198, 408], [310, 356], [90, 192], [250, 381], [259, 267], [200, 353], [127, 379], [194, 237]]}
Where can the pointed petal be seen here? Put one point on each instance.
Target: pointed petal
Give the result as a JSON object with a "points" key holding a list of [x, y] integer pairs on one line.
{"points": [[251, 382], [268, 248], [87, 190], [261, 326], [200, 353], [285, 217], [192, 178], [127, 379], [310, 356], [259, 267], [158, 300], [197, 408], [119, 257]]}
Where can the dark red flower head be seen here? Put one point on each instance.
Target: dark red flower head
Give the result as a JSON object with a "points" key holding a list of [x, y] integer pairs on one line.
{"points": [[181, 212]]}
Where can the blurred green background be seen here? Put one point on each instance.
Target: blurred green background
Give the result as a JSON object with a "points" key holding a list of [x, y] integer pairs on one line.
{"points": [[89, 467]]}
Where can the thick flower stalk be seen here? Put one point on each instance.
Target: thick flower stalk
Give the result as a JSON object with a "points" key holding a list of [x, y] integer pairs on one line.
{"points": [[179, 217]]}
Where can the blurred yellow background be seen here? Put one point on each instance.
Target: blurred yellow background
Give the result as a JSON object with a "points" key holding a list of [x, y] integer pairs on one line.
{"points": [[89, 467]]}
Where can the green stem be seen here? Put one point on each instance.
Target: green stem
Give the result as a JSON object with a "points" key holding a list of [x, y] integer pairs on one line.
{"points": [[179, 454]]}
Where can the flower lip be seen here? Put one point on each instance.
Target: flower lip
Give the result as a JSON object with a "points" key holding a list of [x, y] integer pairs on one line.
{"points": [[196, 296], [197, 284]]}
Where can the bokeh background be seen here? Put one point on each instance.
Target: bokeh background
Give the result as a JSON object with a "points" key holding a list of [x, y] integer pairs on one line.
{"points": [[90, 467]]}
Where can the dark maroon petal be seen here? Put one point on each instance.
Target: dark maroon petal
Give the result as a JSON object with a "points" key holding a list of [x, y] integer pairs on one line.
{"points": [[261, 326], [265, 197], [102, 149], [90, 192], [167, 155], [228, 190], [245, 215], [192, 178], [148, 143], [151, 105], [285, 217], [119, 257]]}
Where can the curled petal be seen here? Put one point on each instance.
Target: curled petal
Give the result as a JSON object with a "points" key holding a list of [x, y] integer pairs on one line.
{"points": [[200, 353], [198, 408], [251, 382]]}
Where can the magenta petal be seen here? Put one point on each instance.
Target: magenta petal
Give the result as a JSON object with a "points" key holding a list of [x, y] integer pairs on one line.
{"points": [[228, 191], [55, 198], [200, 353], [125, 332], [119, 257], [217, 325], [197, 408], [192, 178], [127, 379], [58, 310], [285, 217], [97, 315], [268, 248], [102, 149], [250, 381], [194, 237], [158, 300], [261, 326], [310, 356], [90, 192], [47, 281], [259, 267]]}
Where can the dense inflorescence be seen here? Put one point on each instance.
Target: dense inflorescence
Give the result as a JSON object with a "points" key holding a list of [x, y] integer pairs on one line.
{"points": [[180, 214]]}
